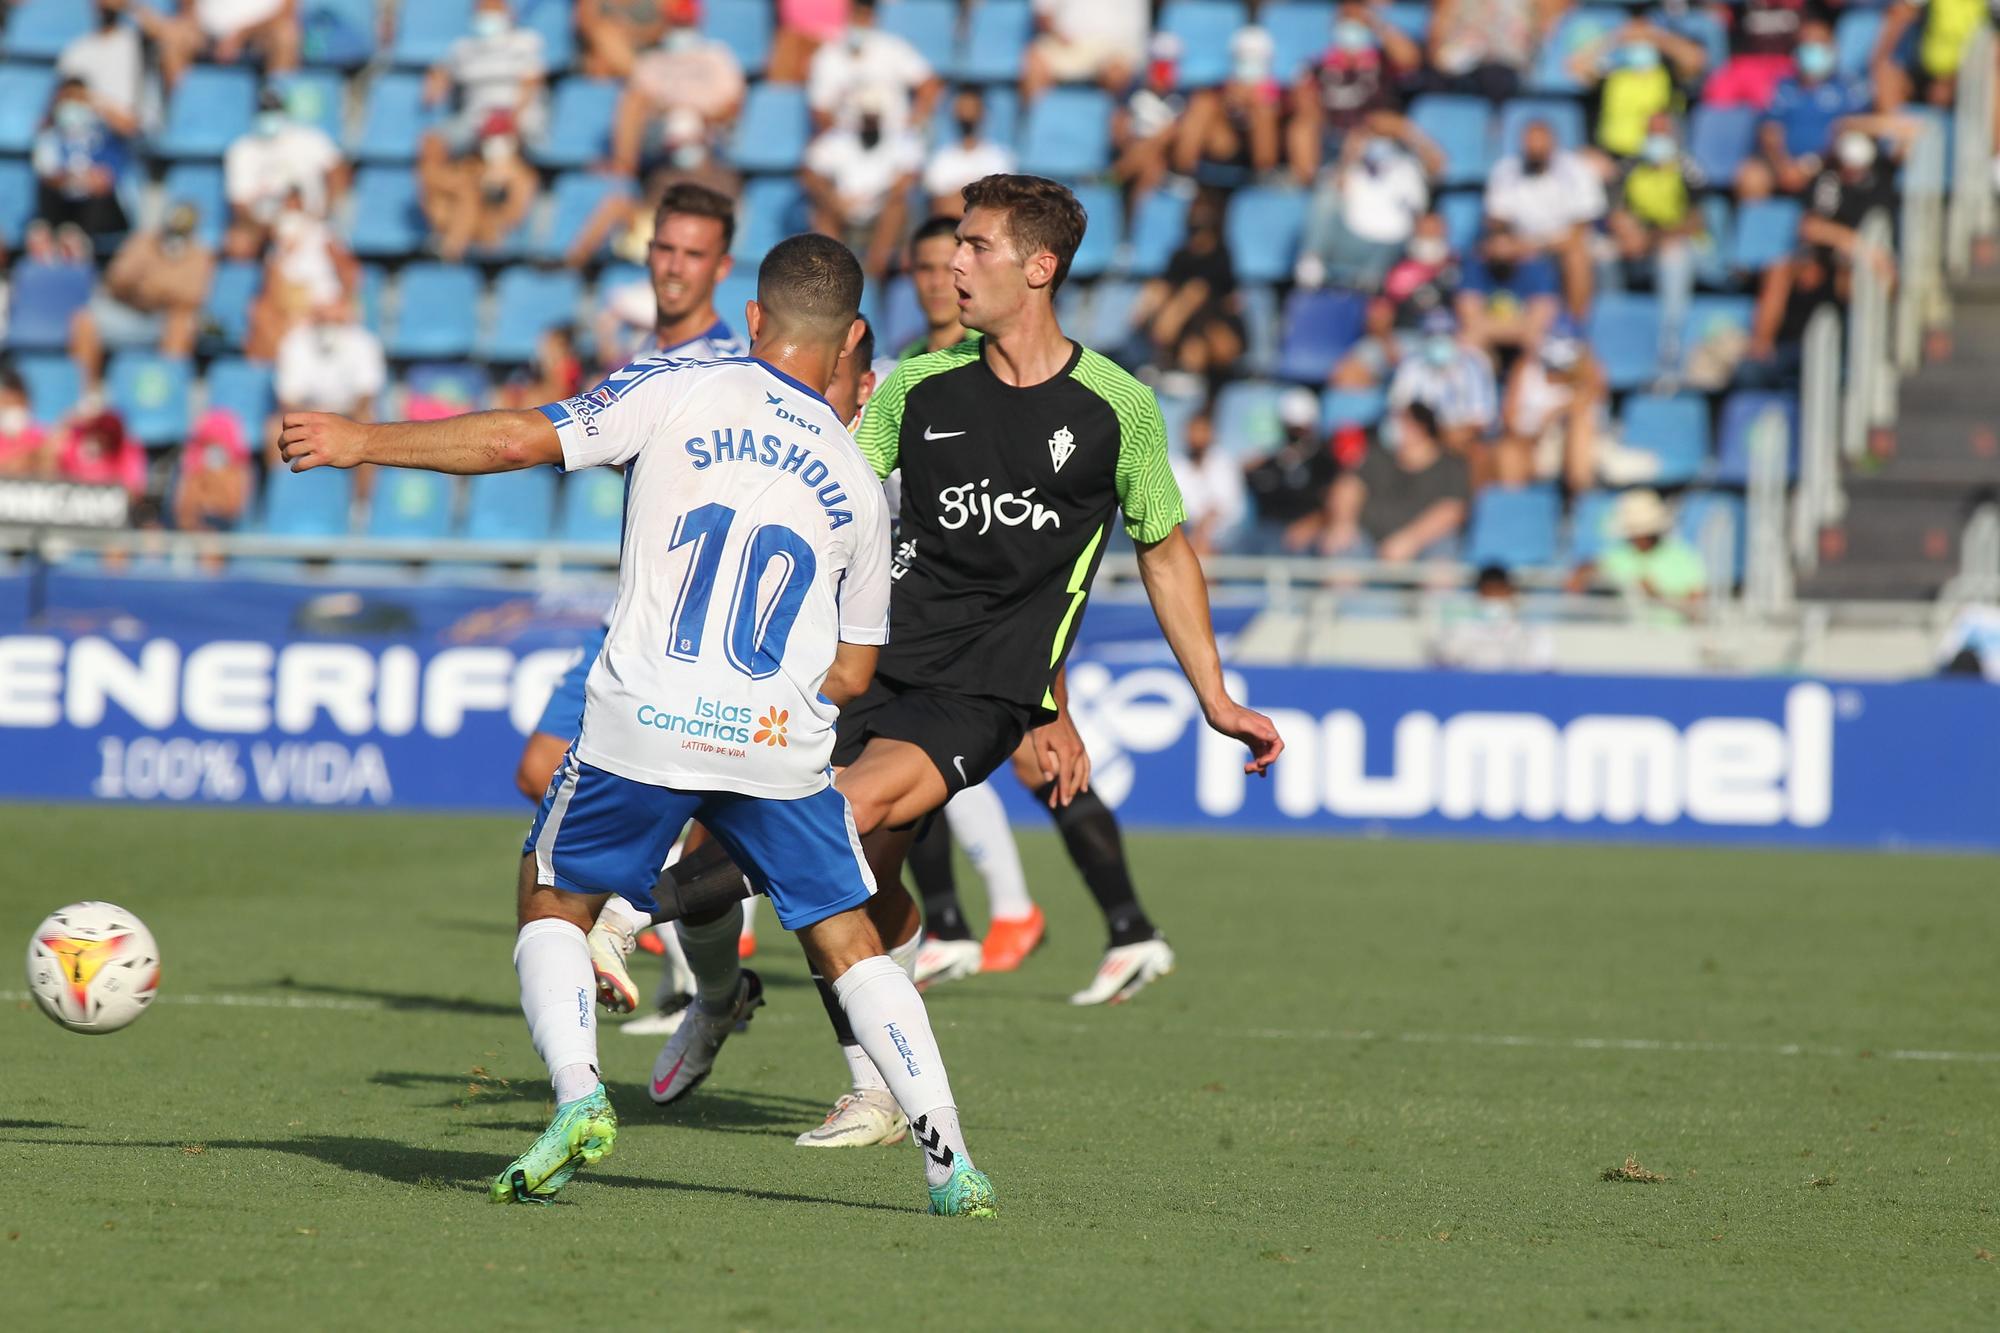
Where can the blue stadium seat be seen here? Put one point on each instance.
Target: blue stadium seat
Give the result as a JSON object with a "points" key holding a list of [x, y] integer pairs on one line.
{"points": [[24, 98], [1699, 508], [393, 119], [1414, 20], [1854, 40], [1576, 29], [1352, 407], [387, 220], [338, 33], [1204, 27], [437, 312], [1463, 129], [1672, 429], [1766, 231], [995, 42], [307, 504], [577, 195], [1701, 27], [54, 384], [1719, 138], [593, 507], [17, 199], [579, 123], [1625, 335], [44, 298], [1157, 231], [1464, 213], [1262, 227], [1514, 526], [555, 20], [373, 280], [1563, 115], [424, 32], [237, 282], [511, 506], [244, 389], [929, 25], [151, 392], [1107, 315], [316, 97], [744, 26], [527, 302], [459, 382], [736, 290], [1712, 316], [1068, 134], [200, 184], [1590, 525], [1740, 413], [771, 133], [1260, 320], [40, 29], [902, 318], [1246, 418], [1319, 328], [771, 208], [409, 505], [210, 110], [1100, 239], [1299, 32]]}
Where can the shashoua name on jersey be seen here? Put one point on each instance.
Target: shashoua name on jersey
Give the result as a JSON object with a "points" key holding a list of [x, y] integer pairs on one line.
{"points": [[1007, 498], [756, 540]]}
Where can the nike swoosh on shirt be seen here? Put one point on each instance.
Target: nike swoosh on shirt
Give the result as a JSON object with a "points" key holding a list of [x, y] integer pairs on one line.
{"points": [[930, 434]]}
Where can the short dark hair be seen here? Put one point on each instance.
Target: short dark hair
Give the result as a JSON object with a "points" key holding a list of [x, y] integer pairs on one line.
{"points": [[1494, 576], [1424, 415], [692, 200], [1041, 215], [936, 225], [11, 381], [810, 283], [864, 350]]}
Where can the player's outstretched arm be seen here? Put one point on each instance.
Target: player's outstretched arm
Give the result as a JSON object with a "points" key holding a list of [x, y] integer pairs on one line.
{"points": [[1179, 593], [477, 442]]}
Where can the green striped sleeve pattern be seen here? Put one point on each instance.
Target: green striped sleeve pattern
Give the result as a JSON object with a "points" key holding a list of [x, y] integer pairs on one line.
{"points": [[1147, 491], [880, 434]]}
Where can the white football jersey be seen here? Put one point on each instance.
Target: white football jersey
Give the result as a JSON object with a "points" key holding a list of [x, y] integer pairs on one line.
{"points": [[756, 540]]}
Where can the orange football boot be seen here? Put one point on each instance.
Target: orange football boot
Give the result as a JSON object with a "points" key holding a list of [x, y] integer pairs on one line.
{"points": [[1009, 941]]}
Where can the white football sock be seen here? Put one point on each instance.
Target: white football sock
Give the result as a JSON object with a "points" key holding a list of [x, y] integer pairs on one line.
{"points": [[620, 913], [675, 975], [866, 1077], [979, 825], [711, 956], [750, 917], [557, 997], [904, 955], [888, 1018]]}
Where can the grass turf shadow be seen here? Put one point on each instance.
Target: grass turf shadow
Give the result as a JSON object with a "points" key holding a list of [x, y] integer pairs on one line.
{"points": [[401, 1001]]}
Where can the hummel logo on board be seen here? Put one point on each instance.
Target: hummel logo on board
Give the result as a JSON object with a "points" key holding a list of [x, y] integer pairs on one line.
{"points": [[1061, 445], [930, 434]]}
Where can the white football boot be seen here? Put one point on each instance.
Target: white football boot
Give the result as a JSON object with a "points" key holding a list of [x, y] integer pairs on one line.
{"points": [[611, 943], [859, 1120], [1125, 971], [690, 1053], [946, 960]]}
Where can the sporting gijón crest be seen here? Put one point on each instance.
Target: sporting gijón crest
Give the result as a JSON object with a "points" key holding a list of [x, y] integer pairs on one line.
{"points": [[931, 1141], [1061, 445]]}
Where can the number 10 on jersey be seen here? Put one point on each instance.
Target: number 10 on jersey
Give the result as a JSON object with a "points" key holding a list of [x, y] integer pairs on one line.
{"points": [[758, 626]]}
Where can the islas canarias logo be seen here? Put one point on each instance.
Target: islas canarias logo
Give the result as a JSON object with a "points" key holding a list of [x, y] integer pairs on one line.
{"points": [[82, 960], [771, 728]]}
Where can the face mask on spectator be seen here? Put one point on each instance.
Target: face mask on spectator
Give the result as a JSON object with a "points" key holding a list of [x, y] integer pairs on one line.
{"points": [[13, 419], [498, 149], [490, 23], [1638, 55], [107, 18], [214, 457], [682, 39], [74, 117], [1353, 36], [1659, 149], [268, 123], [1440, 349], [1534, 163], [968, 126], [1815, 60], [1378, 154], [1430, 249], [870, 131], [1855, 151]]}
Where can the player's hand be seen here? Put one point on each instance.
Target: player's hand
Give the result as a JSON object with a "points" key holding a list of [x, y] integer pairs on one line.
{"points": [[1059, 750], [319, 439], [1254, 730]]}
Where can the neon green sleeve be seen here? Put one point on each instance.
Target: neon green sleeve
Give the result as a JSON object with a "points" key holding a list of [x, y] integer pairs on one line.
{"points": [[1147, 491], [880, 434]]}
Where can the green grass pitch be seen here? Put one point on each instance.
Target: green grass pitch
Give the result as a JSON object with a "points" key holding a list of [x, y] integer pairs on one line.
{"points": [[1382, 1091]]}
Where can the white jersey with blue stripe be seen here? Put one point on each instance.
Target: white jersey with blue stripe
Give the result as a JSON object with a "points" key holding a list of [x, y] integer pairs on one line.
{"points": [[756, 541]]}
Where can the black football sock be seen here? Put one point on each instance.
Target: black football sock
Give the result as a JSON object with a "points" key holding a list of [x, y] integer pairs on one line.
{"points": [[699, 885], [1090, 832], [929, 860]]}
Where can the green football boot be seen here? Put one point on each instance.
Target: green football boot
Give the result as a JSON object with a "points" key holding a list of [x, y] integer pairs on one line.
{"points": [[580, 1135], [967, 1194]]}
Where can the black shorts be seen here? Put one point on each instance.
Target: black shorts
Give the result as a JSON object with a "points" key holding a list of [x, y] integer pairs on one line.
{"points": [[967, 736]]}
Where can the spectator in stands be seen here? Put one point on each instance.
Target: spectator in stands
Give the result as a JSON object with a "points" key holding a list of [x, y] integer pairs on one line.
{"points": [[1233, 134], [1383, 344], [688, 75], [1407, 499], [1638, 69], [1453, 379], [957, 163], [1291, 485], [480, 199], [1365, 210], [626, 220], [1490, 634], [1556, 420], [211, 486], [1648, 559], [495, 67], [1547, 198], [331, 362], [868, 64], [1354, 83], [1102, 42], [151, 295], [95, 449], [26, 450], [1191, 316], [1925, 70], [555, 374], [1487, 47], [222, 31], [1212, 490], [612, 33], [803, 27], [305, 269], [1765, 38], [858, 180], [1427, 275], [1840, 198], [1658, 228], [1789, 294], [78, 161], [1512, 292], [1803, 111], [111, 61], [1146, 125], [279, 157]]}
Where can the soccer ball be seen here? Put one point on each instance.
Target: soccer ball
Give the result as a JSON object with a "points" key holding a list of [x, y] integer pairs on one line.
{"points": [[93, 967]]}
